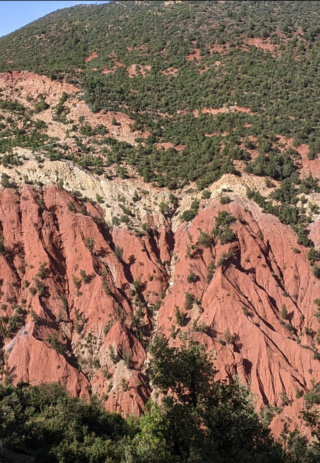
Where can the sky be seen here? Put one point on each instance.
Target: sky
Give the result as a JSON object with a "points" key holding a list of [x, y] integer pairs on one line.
{"points": [[16, 14]]}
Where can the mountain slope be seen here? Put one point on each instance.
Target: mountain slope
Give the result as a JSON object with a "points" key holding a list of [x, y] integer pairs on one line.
{"points": [[252, 66], [109, 133], [81, 300]]}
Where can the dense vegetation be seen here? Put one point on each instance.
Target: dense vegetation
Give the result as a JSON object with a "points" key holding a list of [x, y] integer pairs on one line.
{"points": [[278, 85], [198, 420]]}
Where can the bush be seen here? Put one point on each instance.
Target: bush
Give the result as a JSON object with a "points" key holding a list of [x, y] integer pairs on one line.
{"points": [[90, 244], [204, 239], [181, 318], [245, 311], [188, 215], [284, 312], [222, 230], [189, 301], [5, 180], [47, 423], [192, 278], [206, 194], [118, 252], [316, 271], [3, 249], [225, 200], [211, 269]]}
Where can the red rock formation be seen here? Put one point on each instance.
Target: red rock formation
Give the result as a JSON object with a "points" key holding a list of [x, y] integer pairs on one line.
{"points": [[79, 299], [242, 305], [82, 290]]}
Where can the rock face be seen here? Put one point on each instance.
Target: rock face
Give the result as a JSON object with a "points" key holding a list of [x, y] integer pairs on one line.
{"points": [[74, 295], [80, 300]]}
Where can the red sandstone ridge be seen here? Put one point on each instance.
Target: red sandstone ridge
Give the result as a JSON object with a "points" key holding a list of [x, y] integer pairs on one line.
{"points": [[80, 315], [241, 306], [80, 300]]}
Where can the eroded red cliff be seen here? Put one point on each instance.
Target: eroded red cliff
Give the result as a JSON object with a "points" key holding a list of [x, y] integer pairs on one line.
{"points": [[81, 300]]}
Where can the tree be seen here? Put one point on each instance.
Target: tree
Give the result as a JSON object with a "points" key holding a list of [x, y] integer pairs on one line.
{"points": [[118, 252], [46, 422], [198, 419], [284, 312], [5, 180]]}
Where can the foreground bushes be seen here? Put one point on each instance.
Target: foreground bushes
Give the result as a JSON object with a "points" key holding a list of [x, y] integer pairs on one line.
{"points": [[199, 420]]}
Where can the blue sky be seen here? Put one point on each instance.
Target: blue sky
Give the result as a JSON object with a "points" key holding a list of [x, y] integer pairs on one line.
{"points": [[16, 14]]}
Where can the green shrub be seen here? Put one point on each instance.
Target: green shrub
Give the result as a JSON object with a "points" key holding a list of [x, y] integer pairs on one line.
{"points": [[181, 318], [189, 215], [189, 301], [316, 271], [204, 239], [284, 312], [221, 229], [192, 278], [90, 244], [118, 252], [224, 200], [206, 194]]}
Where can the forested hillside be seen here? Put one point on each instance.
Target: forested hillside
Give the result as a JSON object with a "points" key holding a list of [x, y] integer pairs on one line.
{"points": [[194, 74]]}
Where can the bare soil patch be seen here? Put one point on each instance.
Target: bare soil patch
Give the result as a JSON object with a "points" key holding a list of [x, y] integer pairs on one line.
{"points": [[93, 55]]}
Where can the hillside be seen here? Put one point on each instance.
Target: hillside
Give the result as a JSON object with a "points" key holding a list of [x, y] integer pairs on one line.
{"points": [[159, 168], [184, 71]]}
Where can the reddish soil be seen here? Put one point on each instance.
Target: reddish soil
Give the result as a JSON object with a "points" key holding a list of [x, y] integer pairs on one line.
{"points": [[23, 84], [114, 68], [138, 70], [33, 84], [306, 165], [223, 134], [92, 56], [194, 56], [221, 49], [107, 71], [170, 71], [262, 44], [165, 146], [132, 70], [168, 145], [204, 69], [224, 109]]}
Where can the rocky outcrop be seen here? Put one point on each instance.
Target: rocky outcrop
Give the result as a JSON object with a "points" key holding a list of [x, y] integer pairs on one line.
{"points": [[256, 307], [76, 297], [81, 299]]}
